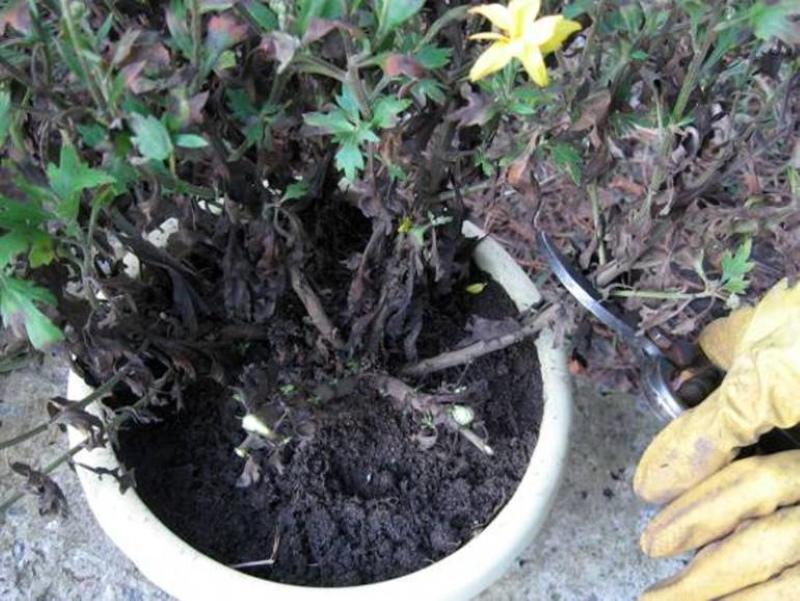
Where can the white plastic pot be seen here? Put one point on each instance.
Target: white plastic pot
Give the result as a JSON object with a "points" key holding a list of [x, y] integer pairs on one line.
{"points": [[187, 574]]}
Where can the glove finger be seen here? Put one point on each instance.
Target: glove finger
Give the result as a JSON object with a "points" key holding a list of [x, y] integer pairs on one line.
{"points": [[777, 309], [784, 587], [687, 450], [722, 340], [754, 553], [745, 489], [759, 393], [721, 337]]}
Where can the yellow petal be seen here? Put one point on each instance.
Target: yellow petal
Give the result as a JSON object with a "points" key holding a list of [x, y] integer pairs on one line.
{"points": [[533, 61], [497, 14], [493, 59], [488, 35], [542, 30], [523, 14], [564, 29]]}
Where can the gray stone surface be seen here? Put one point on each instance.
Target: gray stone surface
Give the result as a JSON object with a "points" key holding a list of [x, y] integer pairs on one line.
{"points": [[587, 552], [45, 559]]}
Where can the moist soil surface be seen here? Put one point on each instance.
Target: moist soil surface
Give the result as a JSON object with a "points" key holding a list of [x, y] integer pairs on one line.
{"points": [[366, 493]]}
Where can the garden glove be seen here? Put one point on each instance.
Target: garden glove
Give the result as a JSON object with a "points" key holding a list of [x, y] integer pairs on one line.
{"points": [[742, 511]]}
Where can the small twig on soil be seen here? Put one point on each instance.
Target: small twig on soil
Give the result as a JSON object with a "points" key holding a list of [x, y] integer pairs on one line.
{"points": [[398, 390], [476, 440], [609, 272], [261, 562], [314, 308], [598, 224], [482, 347], [252, 564], [433, 404], [671, 295], [437, 406]]}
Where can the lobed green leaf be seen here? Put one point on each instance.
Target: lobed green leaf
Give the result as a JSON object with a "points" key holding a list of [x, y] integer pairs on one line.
{"points": [[151, 137]]}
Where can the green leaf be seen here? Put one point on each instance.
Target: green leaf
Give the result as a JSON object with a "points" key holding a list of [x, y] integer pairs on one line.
{"points": [[396, 173], [347, 100], [520, 108], [208, 6], [633, 16], [226, 60], [261, 14], [36, 243], [433, 57], [735, 267], [386, 109], [105, 29], [295, 190], [15, 214], [12, 244], [151, 137], [190, 141], [776, 20], [17, 307], [365, 134], [349, 159], [655, 20], [253, 133], [393, 13], [577, 8], [123, 172], [132, 104], [41, 251], [73, 175], [322, 9], [726, 40], [568, 158], [5, 114], [92, 134], [70, 178], [333, 122], [178, 28], [240, 104], [426, 89], [527, 100]]}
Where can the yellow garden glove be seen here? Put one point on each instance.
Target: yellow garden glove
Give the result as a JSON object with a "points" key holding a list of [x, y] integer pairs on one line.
{"points": [[741, 512]]}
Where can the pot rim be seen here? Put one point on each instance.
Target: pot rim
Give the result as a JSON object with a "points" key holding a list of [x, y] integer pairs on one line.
{"points": [[185, 573]]}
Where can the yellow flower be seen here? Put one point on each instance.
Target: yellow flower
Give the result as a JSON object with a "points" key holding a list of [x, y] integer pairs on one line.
{"points": [[524, 37]]}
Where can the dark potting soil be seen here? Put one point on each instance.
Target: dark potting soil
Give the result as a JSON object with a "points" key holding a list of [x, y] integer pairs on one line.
{"points": [[359, 500]]}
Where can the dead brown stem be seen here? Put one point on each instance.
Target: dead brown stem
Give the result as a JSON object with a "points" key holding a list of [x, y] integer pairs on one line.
{"points": [[404, 394], [616, 267], [435, 405], [482, 347], [314, 308]]}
